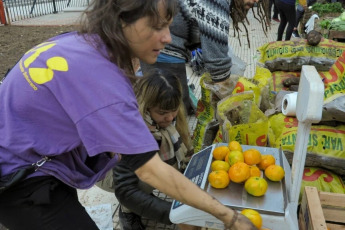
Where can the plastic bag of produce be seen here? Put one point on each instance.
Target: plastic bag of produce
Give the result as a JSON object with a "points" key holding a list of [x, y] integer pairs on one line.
{"points": [[241, 119], [291, 55], [334, 102], [322, 179], [203, 134], [325, 147], [259, 84], [245, 84]]}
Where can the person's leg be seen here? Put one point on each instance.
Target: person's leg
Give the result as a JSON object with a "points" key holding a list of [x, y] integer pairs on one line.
{"points": [[275, 11], [179, 69], [283, 19], [50, 205], [270, 9], [291, 18]]}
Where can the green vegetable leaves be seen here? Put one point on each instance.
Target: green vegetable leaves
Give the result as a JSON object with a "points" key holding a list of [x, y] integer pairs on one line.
{"points": [[322, 9], [325, 24]]}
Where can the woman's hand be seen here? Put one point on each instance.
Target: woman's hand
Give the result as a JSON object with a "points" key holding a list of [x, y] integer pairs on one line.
{"points": [[169, 181], [242, 223]]}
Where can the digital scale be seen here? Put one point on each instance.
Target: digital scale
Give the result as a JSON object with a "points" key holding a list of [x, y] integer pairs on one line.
{"points": [[278, 207]]}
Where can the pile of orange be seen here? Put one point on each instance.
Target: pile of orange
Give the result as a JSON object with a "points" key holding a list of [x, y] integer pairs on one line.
{"points": [[243, 167], [232, 164]]}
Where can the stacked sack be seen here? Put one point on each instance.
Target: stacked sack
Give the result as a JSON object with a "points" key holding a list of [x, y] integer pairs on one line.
{"points": [[325, 151]]}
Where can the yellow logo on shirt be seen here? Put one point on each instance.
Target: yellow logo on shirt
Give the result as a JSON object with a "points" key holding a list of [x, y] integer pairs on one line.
{"points": [[42, 75]]}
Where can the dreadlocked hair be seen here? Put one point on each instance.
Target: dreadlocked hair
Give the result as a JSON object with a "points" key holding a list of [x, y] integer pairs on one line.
{"points": [[238, 14]]}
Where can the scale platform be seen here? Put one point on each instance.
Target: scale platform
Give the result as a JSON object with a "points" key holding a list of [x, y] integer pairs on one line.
{"points": [[273, 203]]}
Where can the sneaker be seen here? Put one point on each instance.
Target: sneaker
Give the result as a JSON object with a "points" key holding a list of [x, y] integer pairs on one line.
{"points": [[295, 34], [130, 221], [276, 19]]}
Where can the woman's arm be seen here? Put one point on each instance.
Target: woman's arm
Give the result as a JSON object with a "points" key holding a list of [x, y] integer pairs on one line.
{"points": [[168, 180], [128, 193]]}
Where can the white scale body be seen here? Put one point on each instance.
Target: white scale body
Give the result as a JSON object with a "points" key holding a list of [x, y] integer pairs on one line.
{"points": [[278, 207]]}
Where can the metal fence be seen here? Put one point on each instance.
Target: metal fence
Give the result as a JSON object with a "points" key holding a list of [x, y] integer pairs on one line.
{"points": [[16, 10]]}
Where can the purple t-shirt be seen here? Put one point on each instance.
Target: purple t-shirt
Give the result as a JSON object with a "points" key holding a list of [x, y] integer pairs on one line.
{"points": [[65, 99]]}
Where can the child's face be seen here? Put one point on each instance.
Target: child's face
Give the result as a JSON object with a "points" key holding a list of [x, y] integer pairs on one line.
{"points": [[163, 118], [147, 40]]}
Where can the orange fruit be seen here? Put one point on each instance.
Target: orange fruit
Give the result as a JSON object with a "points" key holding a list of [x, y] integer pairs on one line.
{"points": [[219, 179], [220, 165], [252, 156], [274, 172], [235, 145], [227, 157], [256, 186], [239, 172], [220, 152], [254, 171], [266, 160], [253, 216], [235, 156]]}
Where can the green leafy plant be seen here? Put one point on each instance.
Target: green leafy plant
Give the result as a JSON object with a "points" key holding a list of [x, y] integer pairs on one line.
{"points": [[325, 8]]}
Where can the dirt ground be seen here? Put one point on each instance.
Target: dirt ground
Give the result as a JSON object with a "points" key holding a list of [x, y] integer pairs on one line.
{"points": [[16, 40]]}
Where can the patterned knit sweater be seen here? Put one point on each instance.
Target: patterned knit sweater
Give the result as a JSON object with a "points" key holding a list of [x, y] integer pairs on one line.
{"points": [[213, 20]]}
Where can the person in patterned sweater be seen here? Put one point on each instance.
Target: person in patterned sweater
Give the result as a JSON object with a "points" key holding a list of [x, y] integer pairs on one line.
{"points": [[205, 24]]}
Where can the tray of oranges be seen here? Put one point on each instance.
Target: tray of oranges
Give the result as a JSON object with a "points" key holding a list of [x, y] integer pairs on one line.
{"points": [[244, 176]]}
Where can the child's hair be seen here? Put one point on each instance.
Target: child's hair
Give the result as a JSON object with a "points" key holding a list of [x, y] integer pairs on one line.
{"points": [[106, 18], [163, 89]]}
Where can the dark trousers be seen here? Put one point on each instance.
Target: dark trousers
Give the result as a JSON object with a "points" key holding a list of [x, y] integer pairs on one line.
{"points": [[179, 69], [287, 15], [43, 203], [275, 10]]}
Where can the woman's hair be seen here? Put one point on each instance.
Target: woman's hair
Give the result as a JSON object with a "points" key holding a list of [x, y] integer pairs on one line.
{"points": [[107, 17], [163, 89]]}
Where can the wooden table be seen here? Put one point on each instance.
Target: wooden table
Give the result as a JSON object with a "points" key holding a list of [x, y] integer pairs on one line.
{"points": [[334, 34]]}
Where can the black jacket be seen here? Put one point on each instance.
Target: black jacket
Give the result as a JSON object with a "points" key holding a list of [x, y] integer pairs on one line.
{"points": [[132, 197]]}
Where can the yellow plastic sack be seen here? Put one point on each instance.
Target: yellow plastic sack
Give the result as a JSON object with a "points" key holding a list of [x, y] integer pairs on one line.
{"points": [[257, 84], [325, 147], [322, 179], [291, 55], [205, 116], [334, 80], [242, 120], [219, 137], [263, 76], [245, 84]]}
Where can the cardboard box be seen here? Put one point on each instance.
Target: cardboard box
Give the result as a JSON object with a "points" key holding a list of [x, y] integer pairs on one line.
{"points": [[321, 210]]}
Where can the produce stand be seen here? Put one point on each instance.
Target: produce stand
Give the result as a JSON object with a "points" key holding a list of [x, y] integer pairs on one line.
{"points": [[334, 34], [278, 207], [323, 14], [320, 210]]}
